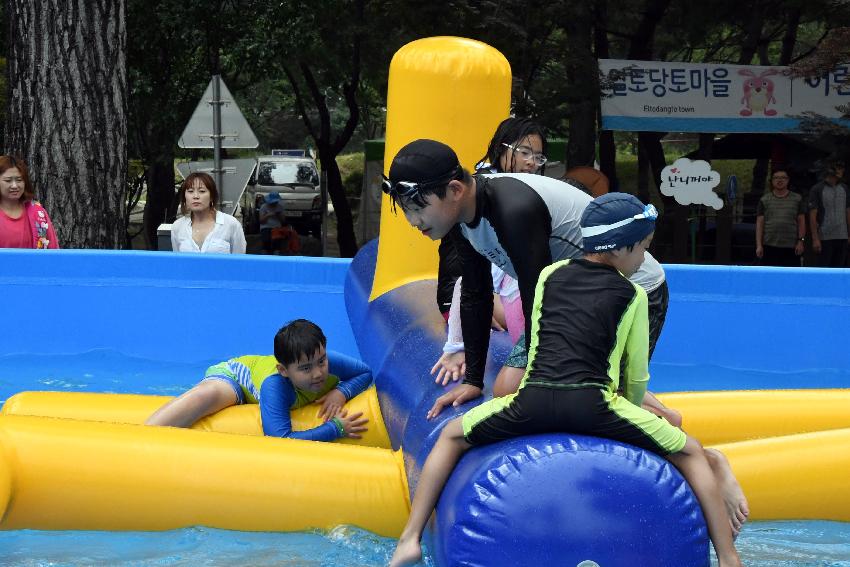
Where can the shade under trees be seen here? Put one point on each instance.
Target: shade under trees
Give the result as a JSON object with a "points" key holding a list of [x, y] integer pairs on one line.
{"points": [[315, 73]]}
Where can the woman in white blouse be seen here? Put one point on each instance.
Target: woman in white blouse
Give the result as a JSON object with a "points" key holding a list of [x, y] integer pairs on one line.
{"points": [[202, 228]]}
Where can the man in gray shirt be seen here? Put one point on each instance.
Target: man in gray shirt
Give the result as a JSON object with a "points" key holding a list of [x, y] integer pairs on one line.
{"points": [[780, 223], [829, 216]]}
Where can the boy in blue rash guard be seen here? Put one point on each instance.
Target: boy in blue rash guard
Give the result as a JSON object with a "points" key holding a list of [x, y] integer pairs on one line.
{"points": [[302, 371], [586, 317]]}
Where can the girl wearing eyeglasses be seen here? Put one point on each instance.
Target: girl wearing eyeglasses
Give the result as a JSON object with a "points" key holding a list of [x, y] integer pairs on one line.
{"points": [[518, 146]]}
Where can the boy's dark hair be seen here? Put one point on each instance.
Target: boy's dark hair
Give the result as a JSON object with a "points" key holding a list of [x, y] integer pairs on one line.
{"points": [[296, 339], [511, 131]]}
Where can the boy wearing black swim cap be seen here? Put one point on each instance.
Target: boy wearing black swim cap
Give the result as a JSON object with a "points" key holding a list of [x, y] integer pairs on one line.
{"points": [[587, 318], [519, 222]]}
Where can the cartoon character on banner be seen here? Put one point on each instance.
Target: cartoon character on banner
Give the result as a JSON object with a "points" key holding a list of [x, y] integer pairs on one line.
{"points": [[758, 92]]}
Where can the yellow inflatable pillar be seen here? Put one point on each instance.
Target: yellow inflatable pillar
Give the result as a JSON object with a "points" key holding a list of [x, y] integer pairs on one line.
{"points": [[450, 89]]}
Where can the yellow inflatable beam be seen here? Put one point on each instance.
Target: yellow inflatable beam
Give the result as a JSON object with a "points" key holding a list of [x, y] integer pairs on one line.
{"points": [[450, 89], [62, 474], [725, 417], [131, 408], [795, 477]]}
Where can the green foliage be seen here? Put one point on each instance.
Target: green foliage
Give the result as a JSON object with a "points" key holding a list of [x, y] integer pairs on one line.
{"points": [[351, 170], [2, 94]]}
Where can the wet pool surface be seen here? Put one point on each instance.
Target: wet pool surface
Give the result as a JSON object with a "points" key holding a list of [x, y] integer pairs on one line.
{"points": [[762, 544]]}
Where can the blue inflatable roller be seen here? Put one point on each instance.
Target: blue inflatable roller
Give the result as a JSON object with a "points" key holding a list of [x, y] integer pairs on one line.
{"points": [[564, 500], [555, 499]]}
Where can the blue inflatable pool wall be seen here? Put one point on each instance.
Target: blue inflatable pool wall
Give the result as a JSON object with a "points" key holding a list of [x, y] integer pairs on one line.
{"points": [[727, 328], [166, 307]]}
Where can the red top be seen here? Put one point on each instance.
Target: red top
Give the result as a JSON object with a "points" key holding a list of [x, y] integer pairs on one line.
{"points": [[15, 233]]}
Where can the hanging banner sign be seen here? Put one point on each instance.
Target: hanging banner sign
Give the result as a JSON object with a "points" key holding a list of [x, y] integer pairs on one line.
{"points": [[694, 97]]}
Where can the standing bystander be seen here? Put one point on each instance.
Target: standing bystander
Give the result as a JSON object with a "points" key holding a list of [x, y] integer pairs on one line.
{"points": [[23, 221], [780, 223], [829, 217]]}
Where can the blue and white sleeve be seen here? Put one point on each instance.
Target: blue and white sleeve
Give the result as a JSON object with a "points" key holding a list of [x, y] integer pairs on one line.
{"points": [[354, 376], [276, 398]]}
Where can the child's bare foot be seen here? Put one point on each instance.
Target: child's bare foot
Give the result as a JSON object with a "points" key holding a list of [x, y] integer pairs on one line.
{"points": [[733, 495], [407, 552]]}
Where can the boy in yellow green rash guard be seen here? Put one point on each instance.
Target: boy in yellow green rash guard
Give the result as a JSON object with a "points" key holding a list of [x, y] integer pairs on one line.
{"points": [[302, 371]]}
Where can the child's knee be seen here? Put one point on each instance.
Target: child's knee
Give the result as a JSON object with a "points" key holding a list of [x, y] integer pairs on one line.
{"points": [[715, 457], [213, 393], [692, 446], [673, 417], [453, 431]]}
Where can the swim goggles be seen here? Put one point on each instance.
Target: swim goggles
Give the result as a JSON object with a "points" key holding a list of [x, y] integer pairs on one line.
{"points": [[409, 189], [527, 154], [649, 213]]}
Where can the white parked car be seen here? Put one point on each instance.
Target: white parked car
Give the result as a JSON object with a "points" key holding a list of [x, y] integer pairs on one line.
{"points": [[296, 179]]}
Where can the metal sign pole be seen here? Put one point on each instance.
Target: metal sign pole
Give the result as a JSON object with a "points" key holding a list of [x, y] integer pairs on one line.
{"points": [[216, 134]]}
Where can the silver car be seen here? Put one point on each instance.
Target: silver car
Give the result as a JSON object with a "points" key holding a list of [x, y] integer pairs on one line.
{"points": [[296, 179]]}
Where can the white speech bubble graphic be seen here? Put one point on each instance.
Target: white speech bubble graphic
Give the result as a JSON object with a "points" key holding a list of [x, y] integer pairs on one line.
{"points": [[691, 183]]}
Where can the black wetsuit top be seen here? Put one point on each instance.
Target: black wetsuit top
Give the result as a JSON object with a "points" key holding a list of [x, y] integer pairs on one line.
{"points": [[589, 317], [523, 223]]}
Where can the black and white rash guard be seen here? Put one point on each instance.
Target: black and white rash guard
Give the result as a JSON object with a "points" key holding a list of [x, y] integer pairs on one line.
{"points": [[523, 223]]}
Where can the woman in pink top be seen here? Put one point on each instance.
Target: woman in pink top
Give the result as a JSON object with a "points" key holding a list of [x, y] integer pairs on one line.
{"points": [[23, 221]]}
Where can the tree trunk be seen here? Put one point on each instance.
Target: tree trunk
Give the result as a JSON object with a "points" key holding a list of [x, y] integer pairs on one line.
{"points": [[644, 173], [673, 227], [643, 39], [607, 149], [752, 33], [789, 40], [583, 94], [67, 112], [328, 150], [160, 182], [344, 220]]}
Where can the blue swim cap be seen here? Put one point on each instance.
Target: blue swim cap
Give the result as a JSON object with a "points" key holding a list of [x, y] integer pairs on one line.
{"points": [[615, 220]]}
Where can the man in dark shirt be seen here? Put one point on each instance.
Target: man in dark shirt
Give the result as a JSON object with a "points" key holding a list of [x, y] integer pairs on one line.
{"points": [[829, 217]]}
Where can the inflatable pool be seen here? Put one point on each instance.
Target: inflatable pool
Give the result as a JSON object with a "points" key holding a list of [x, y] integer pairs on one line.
{"points": [[88, 462], [732, 358]]}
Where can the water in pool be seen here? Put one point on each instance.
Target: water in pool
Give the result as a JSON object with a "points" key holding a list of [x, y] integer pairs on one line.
{"points": [[762, 544]]}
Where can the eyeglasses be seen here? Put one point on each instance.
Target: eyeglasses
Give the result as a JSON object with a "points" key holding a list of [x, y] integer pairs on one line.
{"points": [[400, 188], [649, 213], [527, 154], [409, 189]]}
